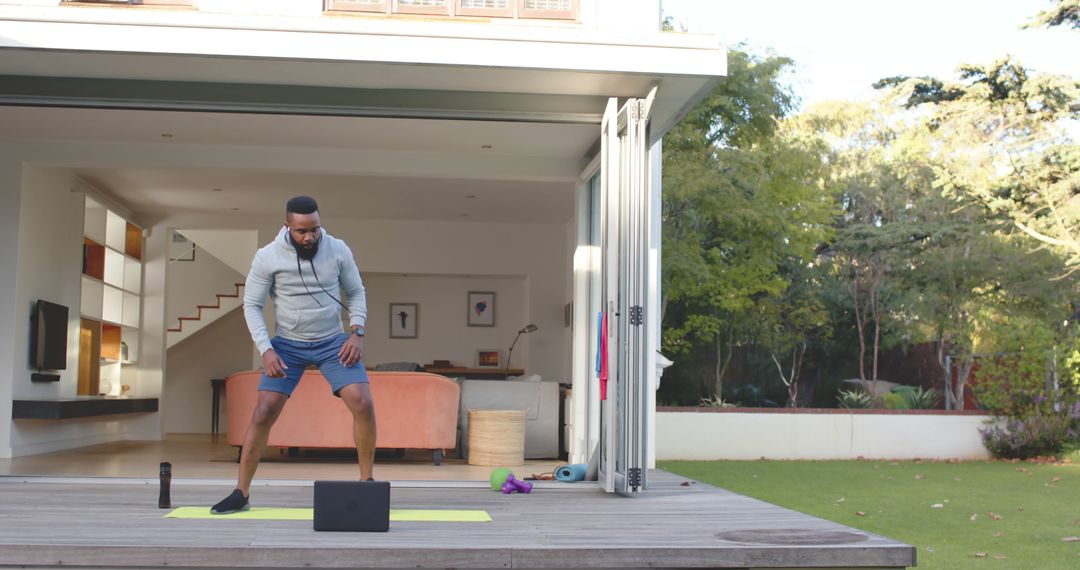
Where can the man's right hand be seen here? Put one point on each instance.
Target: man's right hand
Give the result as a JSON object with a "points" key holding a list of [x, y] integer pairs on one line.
{"points": [[273, 365]]}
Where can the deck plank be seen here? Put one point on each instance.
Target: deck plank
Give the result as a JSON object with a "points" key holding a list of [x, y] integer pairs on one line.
{"points": [[118, 525]]}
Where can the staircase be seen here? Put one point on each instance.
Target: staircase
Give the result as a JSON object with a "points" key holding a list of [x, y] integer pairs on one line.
{"points": [[205, 314]]}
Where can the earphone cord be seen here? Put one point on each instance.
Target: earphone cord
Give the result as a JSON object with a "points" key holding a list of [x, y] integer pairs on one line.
{"points": [[316, 273], [301, 272]]}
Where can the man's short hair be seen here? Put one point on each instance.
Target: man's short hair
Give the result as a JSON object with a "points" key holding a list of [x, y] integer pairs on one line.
{"points": [[301, 205]]}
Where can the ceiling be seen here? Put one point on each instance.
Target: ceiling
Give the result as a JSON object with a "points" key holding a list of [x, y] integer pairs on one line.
{"points": [[174, 162]]}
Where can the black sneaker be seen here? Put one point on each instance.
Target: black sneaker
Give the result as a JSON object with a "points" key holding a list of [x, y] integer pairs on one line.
{"points": [[234, 503]]}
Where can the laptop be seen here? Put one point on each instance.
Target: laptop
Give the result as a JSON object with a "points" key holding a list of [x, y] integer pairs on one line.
{"points": [[357, 506]]}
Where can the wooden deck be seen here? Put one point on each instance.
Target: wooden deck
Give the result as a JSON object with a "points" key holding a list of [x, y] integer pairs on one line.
{"points": [[115, 523]]}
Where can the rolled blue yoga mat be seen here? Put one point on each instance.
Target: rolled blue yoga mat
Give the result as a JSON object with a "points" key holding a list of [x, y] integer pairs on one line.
{"points": [[572, 472]]}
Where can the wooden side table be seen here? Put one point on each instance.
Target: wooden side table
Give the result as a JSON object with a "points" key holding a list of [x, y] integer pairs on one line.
{"points": [[216, 384]]}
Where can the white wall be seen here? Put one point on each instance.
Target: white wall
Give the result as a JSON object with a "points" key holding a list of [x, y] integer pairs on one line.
{"points": [[736, 435], [624, 15], [235, 248], [49, 267], [443, 331], [216, 351], [194, 283]]}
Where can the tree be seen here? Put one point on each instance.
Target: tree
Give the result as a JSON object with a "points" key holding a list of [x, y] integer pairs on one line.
{"points": [[737, 202], [792, 321], [1000, 139], [876, 231], [1064, 13]]}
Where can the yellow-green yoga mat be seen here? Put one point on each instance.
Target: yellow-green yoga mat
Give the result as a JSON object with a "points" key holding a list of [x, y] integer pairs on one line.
{"points": [[305, 514]]}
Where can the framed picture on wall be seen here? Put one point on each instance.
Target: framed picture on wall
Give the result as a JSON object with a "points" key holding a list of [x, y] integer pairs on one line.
{"points": [[404, 320], [481, 308], [488, 358]]}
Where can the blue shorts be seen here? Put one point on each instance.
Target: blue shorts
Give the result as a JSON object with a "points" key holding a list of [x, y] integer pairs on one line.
{"points": [[299, 354]]}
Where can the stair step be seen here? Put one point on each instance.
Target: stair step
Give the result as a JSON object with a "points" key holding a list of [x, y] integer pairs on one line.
{"points": [[219, 305]]}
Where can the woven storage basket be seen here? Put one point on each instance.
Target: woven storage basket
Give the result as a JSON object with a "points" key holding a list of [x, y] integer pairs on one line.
{"points": [[497, 437]]}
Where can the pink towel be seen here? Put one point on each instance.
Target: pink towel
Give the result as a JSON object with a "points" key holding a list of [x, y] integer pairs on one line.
{"points": [[603, 357]]}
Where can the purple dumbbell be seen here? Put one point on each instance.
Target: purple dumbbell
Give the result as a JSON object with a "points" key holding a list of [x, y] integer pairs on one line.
{"points": [[513, 485]]}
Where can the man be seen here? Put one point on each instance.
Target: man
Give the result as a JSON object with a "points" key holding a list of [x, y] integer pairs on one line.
{"points": [[296, 270]]}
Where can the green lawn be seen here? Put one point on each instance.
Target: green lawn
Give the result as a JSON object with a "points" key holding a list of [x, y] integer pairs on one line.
{"points": [[958, 515]]}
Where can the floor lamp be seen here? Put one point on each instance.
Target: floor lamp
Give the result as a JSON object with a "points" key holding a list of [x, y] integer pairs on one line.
{"points": [[525, 330]]}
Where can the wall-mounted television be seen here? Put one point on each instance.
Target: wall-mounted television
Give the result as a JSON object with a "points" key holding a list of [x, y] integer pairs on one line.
{"points": [[48, 339]]}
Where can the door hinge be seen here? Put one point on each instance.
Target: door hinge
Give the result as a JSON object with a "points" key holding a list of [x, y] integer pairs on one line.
{"points": [[637, 315], [634, 477]]}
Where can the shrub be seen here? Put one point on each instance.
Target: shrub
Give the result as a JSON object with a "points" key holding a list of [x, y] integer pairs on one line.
{"points": [[894, 401], [1033, 436], [922, 399], [715, 402], [853, 399]]}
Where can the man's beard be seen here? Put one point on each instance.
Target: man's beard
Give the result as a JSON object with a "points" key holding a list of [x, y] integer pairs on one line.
{"points": [[306, 253]]}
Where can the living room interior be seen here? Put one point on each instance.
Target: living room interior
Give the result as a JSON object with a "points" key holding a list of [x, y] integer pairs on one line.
{"points": [[424, 237]]}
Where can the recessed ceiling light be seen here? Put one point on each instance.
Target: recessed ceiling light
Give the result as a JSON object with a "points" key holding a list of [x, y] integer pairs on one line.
{"points": [[463, 215], [485, 146], [471, 196], [235, 209], [215, 189], [166, 135]]}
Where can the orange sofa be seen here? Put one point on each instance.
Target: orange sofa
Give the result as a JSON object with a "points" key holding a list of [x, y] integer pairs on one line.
{"points": [[413, 410]]}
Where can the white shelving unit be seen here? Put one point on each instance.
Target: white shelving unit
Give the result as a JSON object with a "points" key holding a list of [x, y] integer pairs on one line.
{"points": [[111, 305]]}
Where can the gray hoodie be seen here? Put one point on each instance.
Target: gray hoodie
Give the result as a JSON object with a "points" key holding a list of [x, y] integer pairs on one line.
{"points": [[300, 315]]}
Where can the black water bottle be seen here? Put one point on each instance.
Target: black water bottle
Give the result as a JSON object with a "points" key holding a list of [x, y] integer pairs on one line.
{"points": [[164, 501]]}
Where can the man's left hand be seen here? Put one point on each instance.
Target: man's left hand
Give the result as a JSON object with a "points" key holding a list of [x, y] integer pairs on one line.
{"points": [[352, 351]]}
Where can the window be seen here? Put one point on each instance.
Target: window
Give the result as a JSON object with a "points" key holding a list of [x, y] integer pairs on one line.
{"points": [[438, 7], [485, 8], [553, 9], [357, 5], [134, 2], [539, 9]]}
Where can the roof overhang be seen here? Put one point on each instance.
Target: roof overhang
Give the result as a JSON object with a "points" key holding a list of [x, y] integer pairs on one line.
{"points": [[134, 59]]}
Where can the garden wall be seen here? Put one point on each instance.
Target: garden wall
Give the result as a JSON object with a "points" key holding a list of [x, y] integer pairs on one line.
{"points": [[810, 433]]}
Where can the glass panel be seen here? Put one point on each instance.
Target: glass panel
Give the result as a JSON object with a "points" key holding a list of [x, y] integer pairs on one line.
{"points": [[427, 3], [489, 4], [560, 5], [360, 5]]}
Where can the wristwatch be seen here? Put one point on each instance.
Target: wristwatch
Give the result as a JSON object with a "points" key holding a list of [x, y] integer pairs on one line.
{"points": [[358, 331]]}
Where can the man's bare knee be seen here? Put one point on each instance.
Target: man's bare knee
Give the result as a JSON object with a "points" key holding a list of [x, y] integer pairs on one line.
{"points": [[359, 402], [265, 413]]}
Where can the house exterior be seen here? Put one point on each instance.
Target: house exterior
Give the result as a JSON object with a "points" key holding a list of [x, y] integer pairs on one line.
{"points": [[504, 146]]}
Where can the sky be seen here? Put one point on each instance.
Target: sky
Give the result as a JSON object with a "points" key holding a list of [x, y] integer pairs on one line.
{"points": [[841, 47]]}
